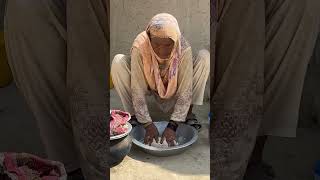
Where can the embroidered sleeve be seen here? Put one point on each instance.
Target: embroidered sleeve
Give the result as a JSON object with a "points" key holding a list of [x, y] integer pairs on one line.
{"points": [[184, 91], [139, 88]]}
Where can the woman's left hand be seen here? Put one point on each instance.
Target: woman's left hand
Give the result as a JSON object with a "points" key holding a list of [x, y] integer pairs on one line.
{"points": [[170, 134]]}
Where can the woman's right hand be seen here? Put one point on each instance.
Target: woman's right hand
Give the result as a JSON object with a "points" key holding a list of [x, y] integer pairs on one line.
{"points": [[151, 133]]}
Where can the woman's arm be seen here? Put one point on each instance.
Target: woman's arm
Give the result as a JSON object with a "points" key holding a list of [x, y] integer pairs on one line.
{"points": [[139, 88], [184, 91]]}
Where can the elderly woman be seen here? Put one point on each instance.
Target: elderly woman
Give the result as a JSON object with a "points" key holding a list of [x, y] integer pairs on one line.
{"points": [[161, 66]]}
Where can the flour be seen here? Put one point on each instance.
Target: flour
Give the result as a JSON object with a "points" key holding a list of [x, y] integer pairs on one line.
{"points": [[163, 145]]}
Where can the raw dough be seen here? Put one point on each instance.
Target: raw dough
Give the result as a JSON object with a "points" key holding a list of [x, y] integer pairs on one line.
{"points": [[163, 145]]}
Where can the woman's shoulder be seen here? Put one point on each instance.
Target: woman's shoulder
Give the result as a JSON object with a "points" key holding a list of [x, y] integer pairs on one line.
{"points": [[187, 52], [135, 52], [184, 43], [140, 38], [185, 46], [139, 42]]}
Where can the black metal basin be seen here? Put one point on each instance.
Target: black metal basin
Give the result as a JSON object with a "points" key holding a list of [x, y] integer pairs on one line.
{"points": [[120, 148]]}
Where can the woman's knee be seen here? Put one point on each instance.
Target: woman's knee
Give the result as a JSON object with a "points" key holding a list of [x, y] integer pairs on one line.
{"points": [[119, 64], [204, 58]]}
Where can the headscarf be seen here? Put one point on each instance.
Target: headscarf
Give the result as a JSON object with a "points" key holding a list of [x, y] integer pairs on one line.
{"points": [[164, 82]]}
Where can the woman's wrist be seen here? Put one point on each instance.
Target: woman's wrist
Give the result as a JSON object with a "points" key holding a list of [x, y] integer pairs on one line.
{"points": [[172, 125], [145, 125]]}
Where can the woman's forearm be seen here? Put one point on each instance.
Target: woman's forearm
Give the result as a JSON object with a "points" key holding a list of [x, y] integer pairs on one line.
{"points": [[139, 88], [184, 91]]}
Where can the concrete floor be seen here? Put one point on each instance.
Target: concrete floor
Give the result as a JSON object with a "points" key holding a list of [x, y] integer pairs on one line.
{"points": [[292, 158]]}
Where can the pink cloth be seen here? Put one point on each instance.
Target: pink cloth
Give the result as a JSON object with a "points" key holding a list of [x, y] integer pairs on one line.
{"points": [[118, 122], [24, 166]]}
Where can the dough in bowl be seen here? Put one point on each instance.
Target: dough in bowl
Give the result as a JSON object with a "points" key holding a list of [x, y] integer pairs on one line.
{"points": [[163, 145]]}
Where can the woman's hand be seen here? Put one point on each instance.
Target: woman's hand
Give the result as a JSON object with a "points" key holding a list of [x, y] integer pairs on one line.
{"points": [[169, 133], [151, 133]]}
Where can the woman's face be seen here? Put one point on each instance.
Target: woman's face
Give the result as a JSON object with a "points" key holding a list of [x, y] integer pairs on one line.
{"points": [[162, 46]]}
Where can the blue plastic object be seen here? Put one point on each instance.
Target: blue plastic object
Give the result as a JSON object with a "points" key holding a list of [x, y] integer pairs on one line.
{"points": [[317, 170], [210, 116]]}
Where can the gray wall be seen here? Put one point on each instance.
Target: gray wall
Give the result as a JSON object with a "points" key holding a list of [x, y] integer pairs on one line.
{"points": [[130, 17]]}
